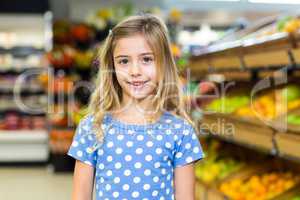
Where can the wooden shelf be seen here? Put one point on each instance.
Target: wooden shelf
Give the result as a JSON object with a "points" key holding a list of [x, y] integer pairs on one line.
{"points": [[253, 134], [250, 133], [288, 145], [268, 52]]}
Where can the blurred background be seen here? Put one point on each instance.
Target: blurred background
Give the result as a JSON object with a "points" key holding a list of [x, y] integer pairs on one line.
{"points": [[239, 63]]}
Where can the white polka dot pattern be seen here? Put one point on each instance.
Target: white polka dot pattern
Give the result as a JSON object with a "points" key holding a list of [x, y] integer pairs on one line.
{"points": [[136, 163]]}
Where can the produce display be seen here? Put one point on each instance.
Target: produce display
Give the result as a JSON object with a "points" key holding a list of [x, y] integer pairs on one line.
{"points": [[269, 104], [67, 57], [293, 119], [62, 85], [228, 104], [17, 121], [285, 24], [272, 104], [74, 49], [288, 24], [296, 198], [216, 165], [78, 113], [60, 140], [8, 61], [263, 106], [260, 187], [62, 57], [193, 92], [58, 115], [71, 60]]}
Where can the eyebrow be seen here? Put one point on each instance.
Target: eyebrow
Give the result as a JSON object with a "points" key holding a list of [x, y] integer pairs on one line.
{"points": [[142, 54]]}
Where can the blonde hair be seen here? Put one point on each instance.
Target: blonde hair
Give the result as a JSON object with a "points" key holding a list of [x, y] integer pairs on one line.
{"points": [[108, 93]]}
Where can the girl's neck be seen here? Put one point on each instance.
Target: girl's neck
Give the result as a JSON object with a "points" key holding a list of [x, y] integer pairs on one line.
{"points": [[137, 112]]}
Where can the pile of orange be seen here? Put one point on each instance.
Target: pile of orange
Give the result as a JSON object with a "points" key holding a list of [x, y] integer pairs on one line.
{"points": [[262, 187]]}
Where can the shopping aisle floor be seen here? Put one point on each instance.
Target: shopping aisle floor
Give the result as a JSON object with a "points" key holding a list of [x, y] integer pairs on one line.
{"points": [[36, 183]]}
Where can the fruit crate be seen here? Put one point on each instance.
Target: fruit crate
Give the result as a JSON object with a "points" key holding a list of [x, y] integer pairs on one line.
{"points": [[198, 67], [266, 59], [290, 195], [262, 50], [289, 122], [296, 51], [210, 191], [288, 145], [225, 62], [294, 128], [288, 139], [204, 192], [239, 131], [214, 193], [272, 169], [236, 75], [200, 190]]}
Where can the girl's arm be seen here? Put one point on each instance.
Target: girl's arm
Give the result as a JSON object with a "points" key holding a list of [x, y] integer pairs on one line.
{"points": [[184, 182], [83, 181]]}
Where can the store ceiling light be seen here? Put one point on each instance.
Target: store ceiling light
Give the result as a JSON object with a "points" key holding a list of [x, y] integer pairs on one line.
{"points": [[276, 1]]}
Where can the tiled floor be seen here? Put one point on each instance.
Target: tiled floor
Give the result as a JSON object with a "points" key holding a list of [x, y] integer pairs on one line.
{"points": [[35, 183]]}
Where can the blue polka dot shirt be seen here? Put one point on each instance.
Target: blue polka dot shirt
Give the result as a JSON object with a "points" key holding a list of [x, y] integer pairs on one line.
{"points": [[136, 161]]}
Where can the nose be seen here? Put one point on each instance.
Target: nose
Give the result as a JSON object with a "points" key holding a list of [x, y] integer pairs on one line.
{"points": [[135, 69]]}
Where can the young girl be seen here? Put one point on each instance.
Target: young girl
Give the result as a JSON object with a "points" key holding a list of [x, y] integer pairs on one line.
{"points": [[137, 142]]}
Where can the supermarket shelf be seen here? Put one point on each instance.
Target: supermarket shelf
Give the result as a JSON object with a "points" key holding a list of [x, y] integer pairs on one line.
{"points": [[266, 53], [294, 128], [25, 55], [249, 133], [23, 91], [23, 136], [24, 146], [21, 112], [223, 49], [63, 128], [253, 135], [275, 41], [249, 145], [17, 71], [288, 145], [24, 153], [21, 50]]}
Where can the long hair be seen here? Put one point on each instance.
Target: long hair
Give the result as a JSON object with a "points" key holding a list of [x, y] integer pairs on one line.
{"points": [[108, 93]]}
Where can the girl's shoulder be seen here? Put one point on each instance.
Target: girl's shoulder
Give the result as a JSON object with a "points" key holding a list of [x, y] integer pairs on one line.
{"points": [[88, 120], [176, 121], [169, 120]]}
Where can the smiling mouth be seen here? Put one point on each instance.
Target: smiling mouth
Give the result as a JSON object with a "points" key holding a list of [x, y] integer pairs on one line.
{"points": [[137, 83]]}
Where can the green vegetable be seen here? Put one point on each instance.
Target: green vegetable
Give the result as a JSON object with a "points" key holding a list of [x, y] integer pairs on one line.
{"points": [[296, 198], [282, 22]]}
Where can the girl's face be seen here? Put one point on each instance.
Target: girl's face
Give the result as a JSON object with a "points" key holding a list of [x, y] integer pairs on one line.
{"points": [[135, 67]]}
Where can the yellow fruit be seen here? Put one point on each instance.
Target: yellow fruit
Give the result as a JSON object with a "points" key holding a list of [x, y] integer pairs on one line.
{"points": [[104, 14], [293, 104], [261, 187], [291, 26], [175, 14]]}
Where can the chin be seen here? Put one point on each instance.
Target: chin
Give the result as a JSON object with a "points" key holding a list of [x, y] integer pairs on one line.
{"points": [[138, 95]]}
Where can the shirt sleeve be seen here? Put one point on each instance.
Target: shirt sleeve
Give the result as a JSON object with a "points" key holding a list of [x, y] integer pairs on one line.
{"points": [[188, 148], [82, 147]]}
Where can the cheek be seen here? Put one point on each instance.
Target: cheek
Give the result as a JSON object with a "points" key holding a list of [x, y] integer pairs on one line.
{"points": [[151, 72], [121, 73]]}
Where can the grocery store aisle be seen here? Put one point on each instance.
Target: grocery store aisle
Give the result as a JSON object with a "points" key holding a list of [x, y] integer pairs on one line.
{"points": [[35, 183]]}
